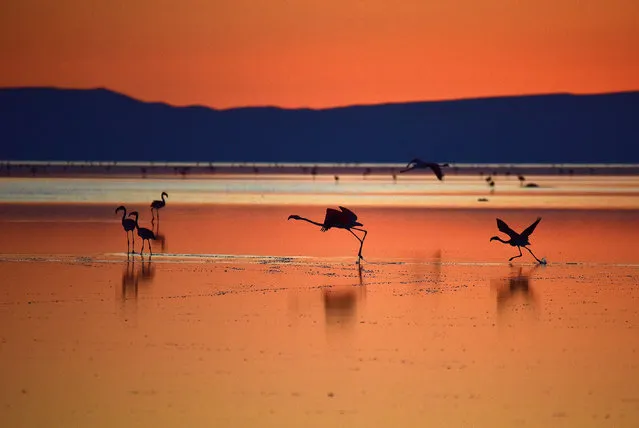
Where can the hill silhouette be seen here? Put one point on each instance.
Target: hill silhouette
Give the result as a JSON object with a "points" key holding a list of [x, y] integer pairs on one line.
{"points": [[102, 125]]}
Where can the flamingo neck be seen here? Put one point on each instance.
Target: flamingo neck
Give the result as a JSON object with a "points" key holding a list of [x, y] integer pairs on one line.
{"points": [[124, 214], [497, 238], [311, 221]]}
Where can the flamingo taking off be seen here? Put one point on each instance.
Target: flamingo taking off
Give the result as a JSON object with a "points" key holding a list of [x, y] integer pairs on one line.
{"points": [[129, 226], [518, 239], [143, 232], [156, 205], [344, 219], [418, 163]]}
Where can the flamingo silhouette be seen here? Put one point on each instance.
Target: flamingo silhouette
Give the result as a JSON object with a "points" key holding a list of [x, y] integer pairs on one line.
{"points": [[418, 163], [522, 179], [156, 205], [129, 226], [518, 239], [344, 219], [143, 232]]}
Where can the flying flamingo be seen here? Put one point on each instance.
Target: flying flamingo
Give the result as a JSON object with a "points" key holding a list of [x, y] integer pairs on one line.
{"points": [[518, 239], [143, 232], [344, 219], [129, 226], [418, 163], [156, 205]]}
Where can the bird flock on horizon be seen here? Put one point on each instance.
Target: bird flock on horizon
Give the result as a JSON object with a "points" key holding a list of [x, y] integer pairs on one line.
{"points": [[343, 218]]}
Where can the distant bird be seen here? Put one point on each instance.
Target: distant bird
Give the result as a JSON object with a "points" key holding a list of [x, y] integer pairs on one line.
{"points": [[129, 226], [491, 184], [529, 185], [156, 205], [517, 239], [420, 164], [344, 219], [143, 232]]}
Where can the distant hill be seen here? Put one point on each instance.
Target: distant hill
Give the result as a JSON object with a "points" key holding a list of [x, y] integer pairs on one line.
{"points": [[98, 124]]}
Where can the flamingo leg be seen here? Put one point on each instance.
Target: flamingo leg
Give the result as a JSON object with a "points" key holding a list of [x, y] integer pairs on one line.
{"points": [[514, 257], [361, 243], [133, 235], [530, 251], [128, 245]]}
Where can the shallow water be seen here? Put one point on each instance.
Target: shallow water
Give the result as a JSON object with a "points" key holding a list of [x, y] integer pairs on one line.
{"points": [[408, 190], [242, 318]]}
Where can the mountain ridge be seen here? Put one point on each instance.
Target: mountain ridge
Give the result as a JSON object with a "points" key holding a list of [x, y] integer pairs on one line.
{"points": [[99, 124]]}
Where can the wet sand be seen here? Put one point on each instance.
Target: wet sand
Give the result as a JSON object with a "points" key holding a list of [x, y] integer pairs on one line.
{"points": [[242, 318]]}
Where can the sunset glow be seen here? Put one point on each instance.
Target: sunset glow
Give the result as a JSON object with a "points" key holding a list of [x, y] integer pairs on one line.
{"points": [[321, 53]]}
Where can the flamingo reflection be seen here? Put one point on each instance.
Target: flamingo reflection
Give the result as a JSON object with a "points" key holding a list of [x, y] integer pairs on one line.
{"points": [[129, 289], [340, 304], [146, 273], [516, 285], [159, 237]]}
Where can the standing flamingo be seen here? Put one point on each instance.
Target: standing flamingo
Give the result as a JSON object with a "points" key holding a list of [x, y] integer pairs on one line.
{"points": [[418, 163], [129, 226], [143, 232], [518, 239], [344, 219], [156, 205]]}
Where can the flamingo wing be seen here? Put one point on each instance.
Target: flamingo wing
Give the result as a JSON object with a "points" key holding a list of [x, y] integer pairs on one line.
{"points": [[526, 233], [436, 169], [503, 227], [332, 218], [412, 165], [348, 214]]}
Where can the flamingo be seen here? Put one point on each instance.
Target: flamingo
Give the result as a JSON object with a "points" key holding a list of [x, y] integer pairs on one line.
{"points": [[156, 205], [129, 226], [529, 185], [344, 219], [518, 239], [143, 232], [418, 163]]}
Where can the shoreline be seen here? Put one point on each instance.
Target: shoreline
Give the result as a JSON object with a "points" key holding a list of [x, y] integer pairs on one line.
{"points": [[103, 169]]}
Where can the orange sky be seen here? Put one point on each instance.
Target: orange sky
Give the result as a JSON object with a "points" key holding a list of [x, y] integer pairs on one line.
{"points": [[320, 53]]}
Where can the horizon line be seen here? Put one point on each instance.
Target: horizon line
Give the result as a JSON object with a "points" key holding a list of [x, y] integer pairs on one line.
{"points": [[222, 164], [333, 107]]}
